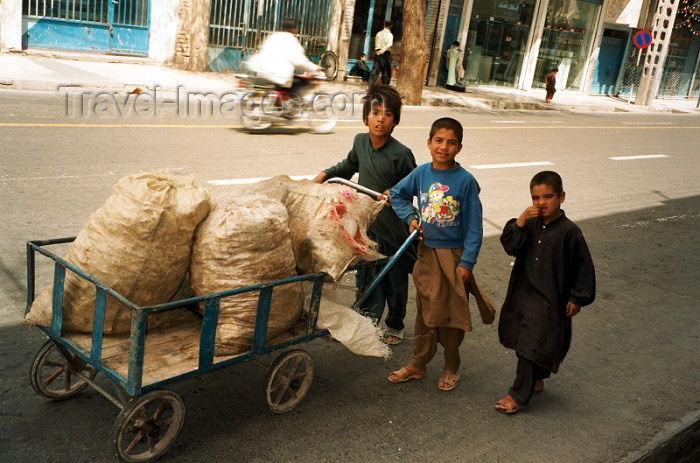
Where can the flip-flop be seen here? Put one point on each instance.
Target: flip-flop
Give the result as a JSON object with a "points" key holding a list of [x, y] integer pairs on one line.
{"points": [[406, 373], [392, 337], [507, 405], [539, 386], [448, 383]]}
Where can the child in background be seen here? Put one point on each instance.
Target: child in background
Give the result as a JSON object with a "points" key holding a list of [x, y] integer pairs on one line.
{"points": [[553, 277], [450, 220], [381, 161], [360, 68]]}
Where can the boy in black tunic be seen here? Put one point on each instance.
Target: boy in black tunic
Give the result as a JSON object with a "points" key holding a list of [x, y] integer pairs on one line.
{"points": [[381, 162], [553, 277]]}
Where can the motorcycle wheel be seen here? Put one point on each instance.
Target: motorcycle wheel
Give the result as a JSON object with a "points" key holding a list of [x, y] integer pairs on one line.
{"points": [[321, 115], [253, 115]]}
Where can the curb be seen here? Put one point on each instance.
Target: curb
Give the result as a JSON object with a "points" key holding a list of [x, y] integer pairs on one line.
{"points": [[677, 442]]}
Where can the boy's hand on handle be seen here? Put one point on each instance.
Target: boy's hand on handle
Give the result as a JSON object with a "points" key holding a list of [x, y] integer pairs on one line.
{"points": [[465, 273], [385, 197], [529, 213], [415, 225], [572, 309]]}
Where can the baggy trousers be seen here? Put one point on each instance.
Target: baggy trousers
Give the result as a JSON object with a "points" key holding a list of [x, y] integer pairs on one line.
{"points": [[426, 339], [526, 375]]}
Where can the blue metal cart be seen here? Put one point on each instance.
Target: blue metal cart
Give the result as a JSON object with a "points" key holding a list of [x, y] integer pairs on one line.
{"points": [[141, 363]]}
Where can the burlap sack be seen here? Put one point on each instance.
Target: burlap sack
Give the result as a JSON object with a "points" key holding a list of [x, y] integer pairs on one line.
{"points": [[329, 222], [241, 244], [138, 243]]}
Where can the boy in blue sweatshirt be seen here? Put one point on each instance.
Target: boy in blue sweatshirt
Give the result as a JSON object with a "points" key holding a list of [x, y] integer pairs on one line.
{"points": [[450, 222]]}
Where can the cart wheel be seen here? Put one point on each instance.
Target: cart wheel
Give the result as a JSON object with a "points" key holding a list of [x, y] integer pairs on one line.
{"points": [[144, 430], [288, 380], [51, 375]]}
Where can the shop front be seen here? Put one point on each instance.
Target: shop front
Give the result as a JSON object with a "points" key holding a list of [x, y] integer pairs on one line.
{"points": [[566, 41], [497, 41], [369, 18], [503, 40]]}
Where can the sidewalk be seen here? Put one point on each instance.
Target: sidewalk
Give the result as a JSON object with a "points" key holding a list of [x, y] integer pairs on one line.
{"points": [[46, 70]]}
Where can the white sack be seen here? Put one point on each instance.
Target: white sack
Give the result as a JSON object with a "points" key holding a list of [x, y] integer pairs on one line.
{"points": [[355, 331], [242, 244], [138, 243], [328, 222]]}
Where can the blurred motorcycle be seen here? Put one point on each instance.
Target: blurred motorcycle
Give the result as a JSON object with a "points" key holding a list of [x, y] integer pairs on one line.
{"points": [[264, 105]]}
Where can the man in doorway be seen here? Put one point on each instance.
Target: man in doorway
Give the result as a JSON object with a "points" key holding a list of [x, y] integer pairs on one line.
{"points": [[382, 55]]}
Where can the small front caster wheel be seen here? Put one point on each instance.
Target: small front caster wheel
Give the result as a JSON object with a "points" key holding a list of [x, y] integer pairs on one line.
{"points": [[288, 380], [144, 430], [54, 376]]}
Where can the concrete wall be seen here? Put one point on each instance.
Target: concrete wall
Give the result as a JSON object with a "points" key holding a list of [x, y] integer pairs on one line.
{"points": [[623, 12], [10, 25], [163, 32]]}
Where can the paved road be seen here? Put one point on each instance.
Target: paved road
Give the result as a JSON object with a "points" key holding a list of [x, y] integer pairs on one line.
{"points": [[632, 370]]}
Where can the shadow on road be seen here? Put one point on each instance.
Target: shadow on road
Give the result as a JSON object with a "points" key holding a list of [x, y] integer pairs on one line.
{"points": [[633, 368]]}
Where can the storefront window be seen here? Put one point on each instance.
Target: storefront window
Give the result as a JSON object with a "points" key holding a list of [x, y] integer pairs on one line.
{"points": [[496, 42], [680, 64], [566, 41]]}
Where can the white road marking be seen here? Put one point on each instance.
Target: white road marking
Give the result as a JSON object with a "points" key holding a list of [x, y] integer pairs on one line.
{"points": [[672, 218], [512, 164], [525, 122], [246, 181], [646, 123], [641, 156]]}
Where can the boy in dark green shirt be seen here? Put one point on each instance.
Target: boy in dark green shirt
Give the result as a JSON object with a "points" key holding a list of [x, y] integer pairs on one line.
{"points": [[381, 162]]}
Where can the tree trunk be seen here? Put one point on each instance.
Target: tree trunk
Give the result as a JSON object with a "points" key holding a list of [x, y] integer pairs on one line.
{"points": [[414, 52]]}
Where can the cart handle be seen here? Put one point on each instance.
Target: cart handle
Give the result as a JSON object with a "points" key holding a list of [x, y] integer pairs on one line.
{"points": [[356, 186]]}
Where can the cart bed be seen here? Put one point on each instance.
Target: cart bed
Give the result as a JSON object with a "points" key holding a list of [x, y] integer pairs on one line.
{"points": [[169, 352]]}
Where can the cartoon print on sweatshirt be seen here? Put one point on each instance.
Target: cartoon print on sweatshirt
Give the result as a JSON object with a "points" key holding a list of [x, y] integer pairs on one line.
{"points": [[439, 208]]}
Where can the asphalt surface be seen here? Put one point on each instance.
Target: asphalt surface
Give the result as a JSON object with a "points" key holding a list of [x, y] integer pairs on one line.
{"points": [[628, 391]]}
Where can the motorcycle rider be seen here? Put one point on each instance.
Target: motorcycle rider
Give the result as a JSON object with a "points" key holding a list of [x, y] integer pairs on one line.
{"points": [[279, 55]]}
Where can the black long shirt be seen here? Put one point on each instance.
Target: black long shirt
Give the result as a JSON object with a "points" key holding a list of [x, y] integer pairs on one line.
{"points": [[552, 267]]}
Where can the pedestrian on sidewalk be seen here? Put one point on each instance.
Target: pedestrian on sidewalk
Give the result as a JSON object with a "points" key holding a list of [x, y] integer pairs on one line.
{"points": [[381, 162], [452, 58], [553, 277], [382, 55], [550, 82], [450, 220]]}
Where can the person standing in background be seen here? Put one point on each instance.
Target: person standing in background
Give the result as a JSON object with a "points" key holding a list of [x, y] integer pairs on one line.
{"points": [[382, 55], [550, 82], [452, 58]]}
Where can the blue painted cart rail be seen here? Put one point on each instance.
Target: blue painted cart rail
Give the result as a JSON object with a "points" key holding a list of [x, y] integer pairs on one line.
{"points": [[132, 382]]}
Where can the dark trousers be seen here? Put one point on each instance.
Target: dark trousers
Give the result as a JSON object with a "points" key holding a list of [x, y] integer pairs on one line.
{"points": [[392, 292], [526, 374], [381, 68]]}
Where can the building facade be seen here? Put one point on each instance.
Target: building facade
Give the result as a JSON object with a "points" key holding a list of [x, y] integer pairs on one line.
{"points": [[511, 43]]}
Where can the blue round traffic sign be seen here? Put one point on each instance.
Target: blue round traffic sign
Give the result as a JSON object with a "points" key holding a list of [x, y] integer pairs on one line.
{"points": [[642, 39]]}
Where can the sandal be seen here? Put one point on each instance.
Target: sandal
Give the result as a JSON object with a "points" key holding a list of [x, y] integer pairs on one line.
{"points": [[507, 405], [539, 386], [392, 337], [406, 373], [448, 381]]}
